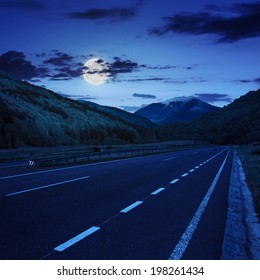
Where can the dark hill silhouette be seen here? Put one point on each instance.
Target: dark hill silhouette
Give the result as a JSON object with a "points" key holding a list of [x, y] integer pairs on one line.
{"points": [[236, 123], [34, 116]]}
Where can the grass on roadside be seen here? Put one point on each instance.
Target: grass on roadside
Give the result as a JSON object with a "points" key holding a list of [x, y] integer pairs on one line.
{"points": [[250, 158]]}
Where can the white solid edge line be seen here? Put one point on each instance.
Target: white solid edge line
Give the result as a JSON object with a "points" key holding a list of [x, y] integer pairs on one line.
{"points": [[187, 235], [130, 207], [174, 181], [76, 239], [158, 191], [46, 186]]}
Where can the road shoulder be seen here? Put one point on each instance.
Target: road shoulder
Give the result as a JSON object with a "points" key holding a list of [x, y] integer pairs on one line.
{"points": [[242, 233]]}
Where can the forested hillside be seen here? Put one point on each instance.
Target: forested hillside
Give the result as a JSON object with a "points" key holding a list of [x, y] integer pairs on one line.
{"points": [[34, 116], [237, 123], [129, 117]]}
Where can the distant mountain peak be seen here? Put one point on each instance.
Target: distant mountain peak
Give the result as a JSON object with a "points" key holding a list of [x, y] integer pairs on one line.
{"points": [[178, 99], [175, 110]]}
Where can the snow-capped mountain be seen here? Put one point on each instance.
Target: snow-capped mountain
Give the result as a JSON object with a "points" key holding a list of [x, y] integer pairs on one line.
{"points": [[178, 99], [179, 109]]}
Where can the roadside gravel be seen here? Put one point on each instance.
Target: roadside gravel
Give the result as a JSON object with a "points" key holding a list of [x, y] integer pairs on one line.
{"points": [[242, 233]]}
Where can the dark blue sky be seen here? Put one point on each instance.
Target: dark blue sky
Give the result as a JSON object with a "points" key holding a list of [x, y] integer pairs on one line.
{"points": [[151, 50]]}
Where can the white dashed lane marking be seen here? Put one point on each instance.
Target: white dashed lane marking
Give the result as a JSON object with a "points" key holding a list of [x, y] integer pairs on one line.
{"points": [[132, 206], [158, 191], [179, 249], [174, 181], [76, 239]]}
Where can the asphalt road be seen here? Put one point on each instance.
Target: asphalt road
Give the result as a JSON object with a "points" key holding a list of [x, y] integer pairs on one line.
{"points": [[167, 206]]}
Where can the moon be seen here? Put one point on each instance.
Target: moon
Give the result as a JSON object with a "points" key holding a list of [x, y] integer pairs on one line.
{"points": [[96, 71]]}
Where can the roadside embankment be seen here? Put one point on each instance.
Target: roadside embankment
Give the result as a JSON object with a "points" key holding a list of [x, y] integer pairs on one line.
{"points": [[242, 233]]}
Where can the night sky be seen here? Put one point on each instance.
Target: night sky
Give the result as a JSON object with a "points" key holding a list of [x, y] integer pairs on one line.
{"points": [[151, 50]]}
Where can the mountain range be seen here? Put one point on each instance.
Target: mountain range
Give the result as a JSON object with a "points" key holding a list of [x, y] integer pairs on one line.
{"points": [[180, 109], [34, 116]]}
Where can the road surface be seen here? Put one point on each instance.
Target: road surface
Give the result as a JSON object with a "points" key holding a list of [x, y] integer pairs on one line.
{"points": [[166, 206]]}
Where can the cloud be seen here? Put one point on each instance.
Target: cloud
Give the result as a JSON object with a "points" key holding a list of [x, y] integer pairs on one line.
{"points": [[197, 80], [164, 80], [213, 97], [15, 63], [70, 71], [244, 81], [61, 66], [41, 55], [59, 77], [167, 80], [169, 67], [244, 23], [156, 79], [122, 66], [246, 8], [113, 69], [113, 14], [146, 96], [23, 5], [79, 97], [58, 65], [166, 67], [60, 59]]}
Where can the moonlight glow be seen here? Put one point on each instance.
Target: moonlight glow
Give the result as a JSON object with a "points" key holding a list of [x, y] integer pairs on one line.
{"points": [[96, 72]]}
